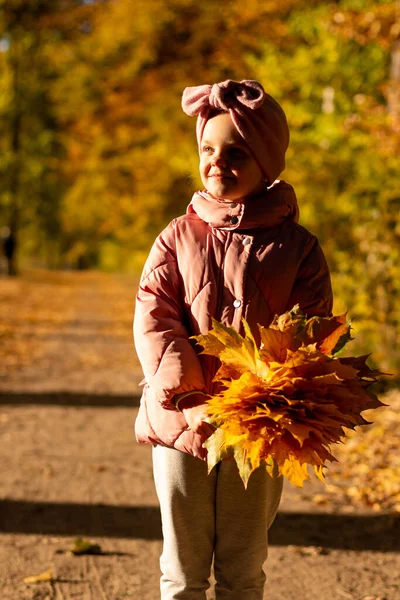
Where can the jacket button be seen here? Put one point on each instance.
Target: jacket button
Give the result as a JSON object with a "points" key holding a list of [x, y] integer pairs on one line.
{"points": [[234, 220], [233, 205], [246, 241], [237, 303]]}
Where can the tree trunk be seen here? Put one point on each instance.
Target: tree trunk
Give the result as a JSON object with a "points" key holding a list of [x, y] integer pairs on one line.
{"points": [[394, 85], [15, 170]]}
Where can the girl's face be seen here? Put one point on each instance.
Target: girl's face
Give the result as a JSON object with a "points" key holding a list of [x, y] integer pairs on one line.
{"points": [[227, 167]]}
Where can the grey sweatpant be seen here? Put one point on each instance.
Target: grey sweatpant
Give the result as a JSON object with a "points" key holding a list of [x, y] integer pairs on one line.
{"points": [[212, 516]]}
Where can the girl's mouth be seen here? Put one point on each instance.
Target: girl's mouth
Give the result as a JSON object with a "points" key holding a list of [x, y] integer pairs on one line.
{"points": [[220, 176]]}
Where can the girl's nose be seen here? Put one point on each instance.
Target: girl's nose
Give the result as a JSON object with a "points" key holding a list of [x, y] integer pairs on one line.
{"points": [[218, 159]]}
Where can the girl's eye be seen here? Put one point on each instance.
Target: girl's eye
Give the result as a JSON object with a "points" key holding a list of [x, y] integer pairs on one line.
{"points": [[207, 149], [237, 153]]}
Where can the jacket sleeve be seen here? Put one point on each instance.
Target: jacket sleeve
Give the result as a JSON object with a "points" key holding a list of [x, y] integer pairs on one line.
{"points": [[169, 361], [312, 289]]}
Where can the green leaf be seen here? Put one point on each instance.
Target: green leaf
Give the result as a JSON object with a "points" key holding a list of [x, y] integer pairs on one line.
{"points": [[82, 546]]}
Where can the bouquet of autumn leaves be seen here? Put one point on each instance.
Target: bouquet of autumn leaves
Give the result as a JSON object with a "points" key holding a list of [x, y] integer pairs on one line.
{"points": [[285, 403]]}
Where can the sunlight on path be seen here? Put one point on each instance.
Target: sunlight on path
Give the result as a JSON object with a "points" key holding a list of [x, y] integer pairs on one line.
{"points": [[68, 331]]}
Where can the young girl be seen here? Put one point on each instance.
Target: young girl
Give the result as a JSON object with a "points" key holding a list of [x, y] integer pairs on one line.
{"points": [[238, 252]]}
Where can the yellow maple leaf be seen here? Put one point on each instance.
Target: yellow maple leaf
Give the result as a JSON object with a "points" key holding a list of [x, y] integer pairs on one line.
{"points": [[42, 578], [294, 471], [237, 354]]}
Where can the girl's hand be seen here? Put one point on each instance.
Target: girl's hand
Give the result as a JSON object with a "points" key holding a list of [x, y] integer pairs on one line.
{"points": [[196, 415], [196, 420]]}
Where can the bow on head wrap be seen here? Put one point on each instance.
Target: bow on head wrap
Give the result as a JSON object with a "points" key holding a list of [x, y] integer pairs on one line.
{"points": [[259, 119]]}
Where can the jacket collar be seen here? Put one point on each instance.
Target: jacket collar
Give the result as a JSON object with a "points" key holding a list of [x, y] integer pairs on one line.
{"points": [[268, 209]]}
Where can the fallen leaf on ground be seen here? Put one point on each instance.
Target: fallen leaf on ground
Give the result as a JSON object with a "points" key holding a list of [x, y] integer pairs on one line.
{"points": [[82, 546], [314, 551], [368, 472], [42, 578]]}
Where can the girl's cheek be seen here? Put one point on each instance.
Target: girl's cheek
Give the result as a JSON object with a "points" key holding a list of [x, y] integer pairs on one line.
{"points": [[204, 164]]}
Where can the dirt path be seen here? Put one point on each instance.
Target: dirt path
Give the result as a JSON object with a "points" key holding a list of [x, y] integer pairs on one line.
{"points": [[71, 468]]}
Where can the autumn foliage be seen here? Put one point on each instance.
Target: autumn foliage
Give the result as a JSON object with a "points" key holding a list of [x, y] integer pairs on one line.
{"points": [[284, 404]]}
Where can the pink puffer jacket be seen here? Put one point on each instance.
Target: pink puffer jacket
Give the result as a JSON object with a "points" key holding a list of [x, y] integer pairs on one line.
{"points": [[225, 260]]}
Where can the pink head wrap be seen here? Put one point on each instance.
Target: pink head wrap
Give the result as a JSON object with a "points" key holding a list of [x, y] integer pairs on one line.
{"points": [[259, 119]]}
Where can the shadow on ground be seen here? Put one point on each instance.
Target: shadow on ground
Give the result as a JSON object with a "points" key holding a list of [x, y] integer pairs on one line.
{"points": [[349, 532], [69, 399]]}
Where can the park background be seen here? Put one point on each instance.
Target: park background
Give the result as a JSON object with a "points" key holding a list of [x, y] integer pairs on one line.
{"points": [[96, 157]]}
